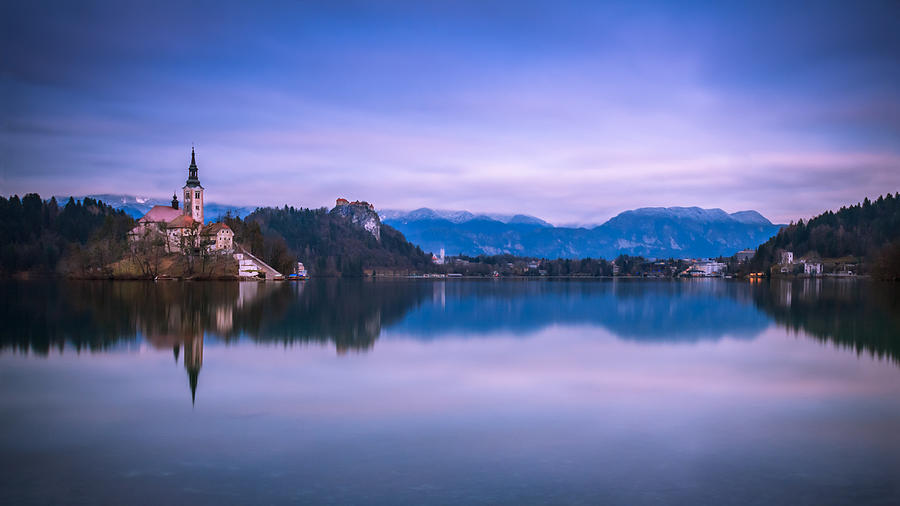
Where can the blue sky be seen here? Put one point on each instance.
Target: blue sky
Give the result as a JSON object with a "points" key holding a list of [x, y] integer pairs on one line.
{"points": [[568, 111]]}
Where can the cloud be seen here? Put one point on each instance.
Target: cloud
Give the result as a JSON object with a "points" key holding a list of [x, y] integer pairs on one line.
{"points": [[571, 113]]}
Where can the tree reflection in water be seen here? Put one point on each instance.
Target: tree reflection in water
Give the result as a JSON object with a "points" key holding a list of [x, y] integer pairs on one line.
{"points": [[350, 314], [860, 315]]}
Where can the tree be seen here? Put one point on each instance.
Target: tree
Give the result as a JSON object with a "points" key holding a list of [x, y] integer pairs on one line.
{"points": [[148, 249], [188, 244]]}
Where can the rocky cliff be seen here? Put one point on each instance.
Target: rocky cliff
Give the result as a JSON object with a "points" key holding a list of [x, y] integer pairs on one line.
{"points": [[361, 214]]}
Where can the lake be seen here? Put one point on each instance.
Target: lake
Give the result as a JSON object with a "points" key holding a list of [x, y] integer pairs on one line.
{"points": [[449, 392]]}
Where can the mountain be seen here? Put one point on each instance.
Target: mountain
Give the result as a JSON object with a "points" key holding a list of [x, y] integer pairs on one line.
{"points": [[136, 206], [750, 218], [457, 216], [655, 232]]}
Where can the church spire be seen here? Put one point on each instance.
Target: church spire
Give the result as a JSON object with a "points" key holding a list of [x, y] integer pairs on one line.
{"points": [[192, 179], [193, 192]]}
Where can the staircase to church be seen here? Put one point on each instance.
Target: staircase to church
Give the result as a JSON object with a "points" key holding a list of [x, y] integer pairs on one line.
{"points": [[250, 266]]}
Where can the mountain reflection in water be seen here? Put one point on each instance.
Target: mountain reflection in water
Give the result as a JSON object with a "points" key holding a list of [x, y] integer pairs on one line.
{"points": [[351, 314]]}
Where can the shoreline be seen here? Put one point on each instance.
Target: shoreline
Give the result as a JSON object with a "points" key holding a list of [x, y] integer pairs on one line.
{"points": [[239, 279]]}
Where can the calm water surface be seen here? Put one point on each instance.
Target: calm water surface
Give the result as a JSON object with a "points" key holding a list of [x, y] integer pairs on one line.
{"points": [[510, 392]]}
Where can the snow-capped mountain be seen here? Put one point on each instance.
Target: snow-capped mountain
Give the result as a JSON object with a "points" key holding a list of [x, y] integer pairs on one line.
{"points": [[658, 232], [425, 213]]}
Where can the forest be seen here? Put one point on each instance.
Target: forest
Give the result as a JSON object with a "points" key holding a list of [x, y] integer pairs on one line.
{"points": [[41, 237], [327, 244], [868, 233]]}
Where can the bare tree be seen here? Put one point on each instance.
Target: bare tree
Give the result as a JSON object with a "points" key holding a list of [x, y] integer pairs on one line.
{"points": [[148, 248], [188, 242], [210, 259]]}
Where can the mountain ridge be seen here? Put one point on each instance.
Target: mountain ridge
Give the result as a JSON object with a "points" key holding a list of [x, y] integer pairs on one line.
{"points": [[656, 232], [653, 232], [457, 216]]}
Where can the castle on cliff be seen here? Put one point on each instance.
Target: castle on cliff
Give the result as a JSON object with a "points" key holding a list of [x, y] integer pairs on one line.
{"points": [[360, 213]]}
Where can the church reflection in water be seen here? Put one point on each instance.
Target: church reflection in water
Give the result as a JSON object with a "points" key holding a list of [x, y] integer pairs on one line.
{"points": [[189, 324], [350, 315], [192, 355]]}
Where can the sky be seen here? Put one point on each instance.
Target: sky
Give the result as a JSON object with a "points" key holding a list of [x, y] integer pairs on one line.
{"points": [[569, 111]]}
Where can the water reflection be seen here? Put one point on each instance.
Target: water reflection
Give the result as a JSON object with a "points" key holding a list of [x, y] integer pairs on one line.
{"points": [[40, 316], [564, 392], [653, 311], [100, 315], [857, 315], [351, 315]]}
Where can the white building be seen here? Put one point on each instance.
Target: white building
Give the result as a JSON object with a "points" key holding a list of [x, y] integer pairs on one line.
{"points": [[787, 257], [708, 268], [812, 268]]}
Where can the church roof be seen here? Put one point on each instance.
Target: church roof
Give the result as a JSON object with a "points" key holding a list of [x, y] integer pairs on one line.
{"points": [[215, 228], [161, 214], [182, 221]]}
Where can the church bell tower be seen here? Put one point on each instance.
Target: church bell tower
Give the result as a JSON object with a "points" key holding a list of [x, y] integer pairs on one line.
{"points": [[193, 193]]}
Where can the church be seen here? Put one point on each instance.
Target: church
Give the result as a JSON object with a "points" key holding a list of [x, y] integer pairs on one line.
{"points": [[184, 229]]}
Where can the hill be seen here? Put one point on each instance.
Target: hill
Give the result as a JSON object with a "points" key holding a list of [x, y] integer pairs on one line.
{"points": [[329, 243], [657, 232], [868, 232]]}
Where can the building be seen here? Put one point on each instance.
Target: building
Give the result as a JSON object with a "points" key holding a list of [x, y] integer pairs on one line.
{"points": [[812, 268], [707, 268], [344, 202], [787, 257], [184, 228], [744, 255], [217, 237]]}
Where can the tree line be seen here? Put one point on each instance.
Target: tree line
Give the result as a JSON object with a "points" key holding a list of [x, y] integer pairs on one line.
{"points": [[868, 231], [43, 237], [511, 265]]}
